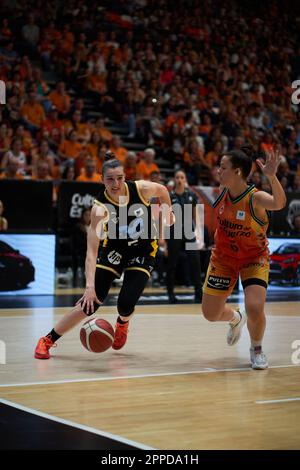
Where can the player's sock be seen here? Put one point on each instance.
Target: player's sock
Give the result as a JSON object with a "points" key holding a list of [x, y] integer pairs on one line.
{"points": [[53, 335], [256, 344], [119, 320]]}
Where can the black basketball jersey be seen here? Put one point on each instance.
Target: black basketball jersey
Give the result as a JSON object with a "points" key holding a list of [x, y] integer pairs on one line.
{"points": [[129, 225]]}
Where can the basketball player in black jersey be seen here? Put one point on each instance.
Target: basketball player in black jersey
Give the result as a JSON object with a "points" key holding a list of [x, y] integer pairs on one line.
{"points": [[121, 238]]}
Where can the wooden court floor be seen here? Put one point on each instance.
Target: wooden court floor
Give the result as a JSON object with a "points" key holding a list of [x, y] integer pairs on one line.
{"points": [[175, 385]]}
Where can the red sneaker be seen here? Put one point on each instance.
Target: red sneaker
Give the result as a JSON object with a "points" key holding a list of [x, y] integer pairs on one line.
{"points": [[121, 332], [42, 348]]}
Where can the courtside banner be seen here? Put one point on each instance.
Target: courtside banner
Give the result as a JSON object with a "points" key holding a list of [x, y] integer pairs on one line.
{"points": [[73, 197]]}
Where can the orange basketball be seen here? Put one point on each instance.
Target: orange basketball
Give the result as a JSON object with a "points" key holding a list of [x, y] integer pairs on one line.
{"points": [[97, 335]]}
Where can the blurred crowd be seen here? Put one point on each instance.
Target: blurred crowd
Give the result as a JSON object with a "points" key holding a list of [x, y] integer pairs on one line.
{"points": [[187, 80]]}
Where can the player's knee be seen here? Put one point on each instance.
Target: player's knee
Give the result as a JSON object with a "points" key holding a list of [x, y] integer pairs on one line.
{"points": [[254, 309], [125, 309], [210, 314]]}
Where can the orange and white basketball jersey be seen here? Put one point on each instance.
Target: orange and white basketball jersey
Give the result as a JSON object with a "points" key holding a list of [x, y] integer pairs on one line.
{"points": [[240, 235]]}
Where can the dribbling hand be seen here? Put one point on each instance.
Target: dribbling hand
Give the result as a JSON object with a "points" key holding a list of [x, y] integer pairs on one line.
{"points": [[88, 299]]}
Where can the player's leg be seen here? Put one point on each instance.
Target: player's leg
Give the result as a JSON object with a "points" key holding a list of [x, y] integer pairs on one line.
{"points": [[174, 247], [134, 283], [218, 285], [194, 263], [103, 281], [255, 282]]}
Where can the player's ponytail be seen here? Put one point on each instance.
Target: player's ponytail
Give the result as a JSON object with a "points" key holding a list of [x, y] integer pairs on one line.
{"points": [[110, 162], [109, 156], [249, 151]]}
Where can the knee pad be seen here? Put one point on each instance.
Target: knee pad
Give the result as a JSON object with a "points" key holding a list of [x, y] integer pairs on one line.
{"points": [[125, 310]]}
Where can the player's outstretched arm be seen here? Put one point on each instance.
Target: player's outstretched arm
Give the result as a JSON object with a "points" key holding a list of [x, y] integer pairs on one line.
{"points": [[93, 238], [276, 200]]}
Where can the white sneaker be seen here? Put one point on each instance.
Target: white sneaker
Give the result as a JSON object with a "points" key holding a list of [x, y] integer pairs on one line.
{"points": [[235, 330], [258, 359]]}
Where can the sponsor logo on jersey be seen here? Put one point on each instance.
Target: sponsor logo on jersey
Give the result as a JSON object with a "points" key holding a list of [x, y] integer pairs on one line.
{"points": [[218, 282], [240, 215], [114, 257]]}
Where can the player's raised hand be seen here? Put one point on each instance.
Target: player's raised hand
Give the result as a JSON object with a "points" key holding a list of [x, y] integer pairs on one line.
{"points": [[271, 164]]}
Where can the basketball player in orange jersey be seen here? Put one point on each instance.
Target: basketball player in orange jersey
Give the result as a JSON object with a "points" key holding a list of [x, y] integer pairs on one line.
{"points": [[129, 246], [241, 248]]}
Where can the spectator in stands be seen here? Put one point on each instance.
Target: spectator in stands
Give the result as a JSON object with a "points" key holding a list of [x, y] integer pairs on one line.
{"points": [[146, 166], [70, 148], [256, 179], [130, 167], [212, 158], [69, 173], [60, 99], [3, 220], [44, 154], [150, 126], [89, 174], [117, 148], [5, 31], [42, 172], [78, 105], [32, 113], [101, 129], [5, 139], [52, 120], [82, 129], [26, 139], [18, 154], [296, 224], [11, 170], [41, 89], [96, 83], [197, 168], [296, 183], [175, 145], [94, 144], [31, 35], [8, 55]]}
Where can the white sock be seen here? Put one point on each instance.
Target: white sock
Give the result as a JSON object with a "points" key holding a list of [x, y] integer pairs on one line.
{"points": [[236, 318]]}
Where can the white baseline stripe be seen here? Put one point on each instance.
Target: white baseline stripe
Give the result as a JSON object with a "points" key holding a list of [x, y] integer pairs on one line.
{"points": [[207, 370], [282, 400], [76, 425]]}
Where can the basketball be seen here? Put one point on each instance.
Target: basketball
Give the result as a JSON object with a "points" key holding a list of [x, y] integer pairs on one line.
{"points": [[97, 335]]}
